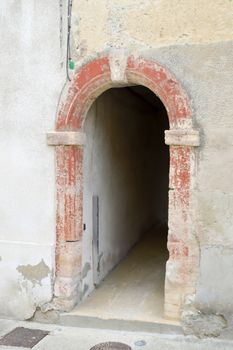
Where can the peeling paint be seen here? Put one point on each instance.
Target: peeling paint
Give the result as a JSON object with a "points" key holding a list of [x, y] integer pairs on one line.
{"points": [[89, 82], [34, 273]]}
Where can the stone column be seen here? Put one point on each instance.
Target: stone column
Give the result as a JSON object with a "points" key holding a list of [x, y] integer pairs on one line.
{"points": [[69, 214], [183, 255]]}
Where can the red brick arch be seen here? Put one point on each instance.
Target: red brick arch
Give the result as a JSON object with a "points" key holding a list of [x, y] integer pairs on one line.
{"points": [[88, 83]]}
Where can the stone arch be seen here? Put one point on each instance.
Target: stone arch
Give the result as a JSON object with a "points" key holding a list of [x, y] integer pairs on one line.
{"points": [[96, 77], [88, 83]]}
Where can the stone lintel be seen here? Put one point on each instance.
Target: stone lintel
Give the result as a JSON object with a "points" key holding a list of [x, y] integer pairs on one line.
{"points": [[66, 138], [182, 137]]}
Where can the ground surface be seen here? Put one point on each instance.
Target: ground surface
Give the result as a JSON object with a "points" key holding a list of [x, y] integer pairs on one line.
{"points": [[134, 290], [74, 338]]}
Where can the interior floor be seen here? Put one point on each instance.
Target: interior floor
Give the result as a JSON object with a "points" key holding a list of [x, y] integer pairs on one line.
{"points": [[134, 290]]}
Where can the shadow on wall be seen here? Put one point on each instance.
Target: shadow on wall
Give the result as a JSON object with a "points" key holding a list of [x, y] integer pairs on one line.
{"points": [[126, 165]]}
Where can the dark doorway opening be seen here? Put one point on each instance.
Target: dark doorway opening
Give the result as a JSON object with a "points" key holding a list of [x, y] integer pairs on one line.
{"points": [[126, 175]]}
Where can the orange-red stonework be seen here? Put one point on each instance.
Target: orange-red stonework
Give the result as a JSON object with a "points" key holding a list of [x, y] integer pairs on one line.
{"points": [[88, 83]]}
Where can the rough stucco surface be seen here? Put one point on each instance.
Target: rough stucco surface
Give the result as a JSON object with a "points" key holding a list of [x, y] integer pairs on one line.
{"points": [[206, 72], [153, 23], [216, 261], [35, 273], [192, 39], [25, 278]]}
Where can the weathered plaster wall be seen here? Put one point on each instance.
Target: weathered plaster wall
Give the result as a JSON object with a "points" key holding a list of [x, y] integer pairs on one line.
{"points": [[206, 72], [126, 165], [149, 23], [193, 39], [31, 81]]}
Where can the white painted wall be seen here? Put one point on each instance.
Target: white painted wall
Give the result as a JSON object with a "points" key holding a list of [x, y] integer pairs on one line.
{"points": [[31, 81], [126, 166]]}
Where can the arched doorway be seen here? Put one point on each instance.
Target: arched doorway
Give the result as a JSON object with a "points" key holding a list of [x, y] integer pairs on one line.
{"points": [[125, 206], [90, 81]]}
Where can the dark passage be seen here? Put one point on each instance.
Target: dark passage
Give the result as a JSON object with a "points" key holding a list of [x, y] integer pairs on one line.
{"points": [[126, 171]]}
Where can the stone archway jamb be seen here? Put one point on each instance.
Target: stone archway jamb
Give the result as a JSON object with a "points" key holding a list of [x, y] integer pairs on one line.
{"points": [[68, 138]]}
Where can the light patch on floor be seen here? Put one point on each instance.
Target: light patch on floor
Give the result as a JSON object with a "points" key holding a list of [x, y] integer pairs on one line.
{"points": [[134, 290]]}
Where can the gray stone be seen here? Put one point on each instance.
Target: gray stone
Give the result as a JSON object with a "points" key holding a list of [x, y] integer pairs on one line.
{"points": [[202, 325]]}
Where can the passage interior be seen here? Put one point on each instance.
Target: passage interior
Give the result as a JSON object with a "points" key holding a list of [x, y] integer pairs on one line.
{"points": [[126, 173]]}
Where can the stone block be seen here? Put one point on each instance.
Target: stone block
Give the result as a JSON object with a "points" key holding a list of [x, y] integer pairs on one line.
{"points": [[182, 137], [59, 138]]}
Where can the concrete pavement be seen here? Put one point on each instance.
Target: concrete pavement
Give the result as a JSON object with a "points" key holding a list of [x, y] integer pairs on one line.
{"points": [[74, 338]]}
